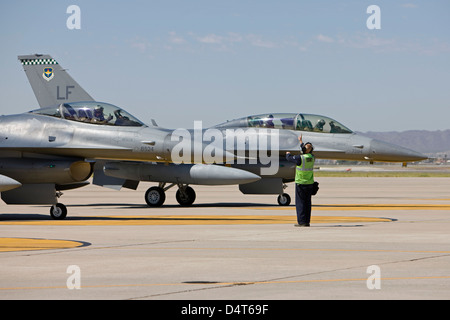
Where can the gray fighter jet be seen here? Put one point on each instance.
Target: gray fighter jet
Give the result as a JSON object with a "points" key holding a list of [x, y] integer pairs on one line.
{"points": [[255, 145], [331, 140], [59, 147]]}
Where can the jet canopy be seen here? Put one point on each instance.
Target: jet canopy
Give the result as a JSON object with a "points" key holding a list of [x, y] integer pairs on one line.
{"points": [[91, 112], [290, 121]]}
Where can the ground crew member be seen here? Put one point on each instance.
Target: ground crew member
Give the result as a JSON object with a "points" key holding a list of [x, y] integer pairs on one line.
{"points": [[304, 180]]}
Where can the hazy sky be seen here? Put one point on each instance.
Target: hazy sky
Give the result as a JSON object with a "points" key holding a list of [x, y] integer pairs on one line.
{"points": [[181, 61]]}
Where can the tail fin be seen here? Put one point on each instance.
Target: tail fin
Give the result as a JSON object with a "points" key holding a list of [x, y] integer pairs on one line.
{"points": [[51, 83]]}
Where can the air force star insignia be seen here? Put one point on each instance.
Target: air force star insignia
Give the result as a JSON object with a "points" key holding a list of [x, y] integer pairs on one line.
{"points": [[48, 74]]}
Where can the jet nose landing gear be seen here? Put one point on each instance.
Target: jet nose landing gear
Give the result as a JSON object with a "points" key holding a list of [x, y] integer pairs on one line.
{"points": [[284, 199], [58, 211]]}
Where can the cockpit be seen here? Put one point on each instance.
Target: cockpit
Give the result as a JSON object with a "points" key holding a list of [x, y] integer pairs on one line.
{"points": [[289, 121], [91, 112]]}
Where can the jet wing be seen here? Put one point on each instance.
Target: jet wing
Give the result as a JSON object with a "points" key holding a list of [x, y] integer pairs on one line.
{"points": [[91, 152]]}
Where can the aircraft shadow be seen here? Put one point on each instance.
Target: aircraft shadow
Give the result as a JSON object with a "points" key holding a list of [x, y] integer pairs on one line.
{"points": [[200, 205], [31, 216], [23, 217], [41, 217]]}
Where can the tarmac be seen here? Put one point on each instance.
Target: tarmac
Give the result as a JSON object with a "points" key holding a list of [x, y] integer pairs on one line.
{"points": [[370, 239]]}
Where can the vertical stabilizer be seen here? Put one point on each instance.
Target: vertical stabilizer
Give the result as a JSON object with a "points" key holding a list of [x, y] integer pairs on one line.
{"points": [[51, 84]]}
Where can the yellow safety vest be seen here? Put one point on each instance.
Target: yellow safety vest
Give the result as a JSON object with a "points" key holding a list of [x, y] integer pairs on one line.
{"points": [[304, 173]]}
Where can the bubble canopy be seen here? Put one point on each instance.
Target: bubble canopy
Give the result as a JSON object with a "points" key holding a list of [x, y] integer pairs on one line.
{"points": [[289, 121], [99, 113]]}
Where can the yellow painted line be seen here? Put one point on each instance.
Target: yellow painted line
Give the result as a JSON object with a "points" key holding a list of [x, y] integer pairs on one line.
{"points": [[25, 244], [229, 283], [189, 220], [349, 207]]}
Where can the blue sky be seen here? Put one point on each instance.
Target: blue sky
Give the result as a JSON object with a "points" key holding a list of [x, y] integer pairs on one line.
{"points": [[181, 61]]}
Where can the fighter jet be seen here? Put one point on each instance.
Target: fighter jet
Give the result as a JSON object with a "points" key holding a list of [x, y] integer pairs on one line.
{"points": [[331, 140], [255, 144], [59, 147]]}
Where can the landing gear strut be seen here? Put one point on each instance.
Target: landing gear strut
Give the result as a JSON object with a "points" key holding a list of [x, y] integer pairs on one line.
{"points": [[58, 211], [284, 199], [155, 196]]}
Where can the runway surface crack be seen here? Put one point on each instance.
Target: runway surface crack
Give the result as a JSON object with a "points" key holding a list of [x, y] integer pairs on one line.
{"points": [[220, 285]]}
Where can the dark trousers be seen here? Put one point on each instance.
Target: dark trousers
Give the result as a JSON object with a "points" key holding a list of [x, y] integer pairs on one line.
{"points": [[303, 202]]}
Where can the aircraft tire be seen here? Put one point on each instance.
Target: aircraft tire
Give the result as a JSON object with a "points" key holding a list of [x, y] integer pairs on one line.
{"points": [[186, 199], [155, 197], [284, 199], [58, 211]]}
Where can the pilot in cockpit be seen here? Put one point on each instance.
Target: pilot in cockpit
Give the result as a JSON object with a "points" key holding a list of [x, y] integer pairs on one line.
{"points": [[319, 125], [335, 128], [268, 123], [99, 117]]}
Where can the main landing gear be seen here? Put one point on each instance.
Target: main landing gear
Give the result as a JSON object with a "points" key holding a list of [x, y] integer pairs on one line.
{"points": [[155, 196]]}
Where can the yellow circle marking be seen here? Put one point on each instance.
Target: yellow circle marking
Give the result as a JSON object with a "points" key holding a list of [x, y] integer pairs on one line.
{"points": [[190, 220], [25, 244]]}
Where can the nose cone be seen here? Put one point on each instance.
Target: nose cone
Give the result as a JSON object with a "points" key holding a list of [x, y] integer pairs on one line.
{"points": [[384, 151]]}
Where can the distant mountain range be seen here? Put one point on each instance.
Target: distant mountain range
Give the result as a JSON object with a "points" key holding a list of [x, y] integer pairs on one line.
{"points": [[428, 142]]}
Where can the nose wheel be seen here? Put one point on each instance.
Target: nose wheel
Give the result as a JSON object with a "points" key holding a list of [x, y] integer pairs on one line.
{"points": [[58, 211], [284, 199]]}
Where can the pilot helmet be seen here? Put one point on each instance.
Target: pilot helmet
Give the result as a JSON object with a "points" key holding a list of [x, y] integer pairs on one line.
{"points": [[98, 109]]}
